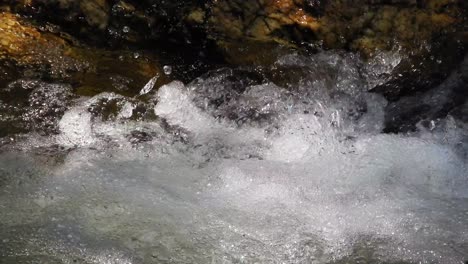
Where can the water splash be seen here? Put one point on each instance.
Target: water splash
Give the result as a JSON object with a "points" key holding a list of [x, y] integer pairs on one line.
{"points": [[239, 172], [150, 85]]}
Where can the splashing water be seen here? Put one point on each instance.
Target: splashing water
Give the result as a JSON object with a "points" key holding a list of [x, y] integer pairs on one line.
{"points": [[150, 85], [239, 172]]}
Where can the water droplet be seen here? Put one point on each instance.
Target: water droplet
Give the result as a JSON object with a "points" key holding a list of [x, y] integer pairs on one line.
{"points": [[150, 85], [126, 29], [167, 70]]}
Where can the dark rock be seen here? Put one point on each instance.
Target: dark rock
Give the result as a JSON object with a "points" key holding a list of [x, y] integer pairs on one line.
{"points": [[111, 21], [31, 105], [428, 107], [32, 51], [426, 69], [360, 25], [137, 137]]}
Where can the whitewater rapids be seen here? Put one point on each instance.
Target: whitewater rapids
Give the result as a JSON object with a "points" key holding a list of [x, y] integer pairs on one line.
{"points": [[233, 171]]}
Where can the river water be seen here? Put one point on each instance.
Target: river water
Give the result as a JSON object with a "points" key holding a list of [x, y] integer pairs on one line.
{"points": [[232, 168]]}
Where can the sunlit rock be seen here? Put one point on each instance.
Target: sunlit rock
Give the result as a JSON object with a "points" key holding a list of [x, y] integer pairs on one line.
{"points": [[28, 47], [259, 19], [48, 54], [364, 26]]}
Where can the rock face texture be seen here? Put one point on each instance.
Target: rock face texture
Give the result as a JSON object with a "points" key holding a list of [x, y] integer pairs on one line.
{"points": [[362, 25], [24, 48], [113, 21], [357, 25], [33, 51], [262, 20]]}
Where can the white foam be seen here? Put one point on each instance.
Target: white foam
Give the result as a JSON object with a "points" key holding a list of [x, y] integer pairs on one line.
{"points": [[175, 105], [76, 128]]}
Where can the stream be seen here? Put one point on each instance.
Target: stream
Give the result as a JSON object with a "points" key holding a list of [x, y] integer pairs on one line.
{"points": [[283, 164]]}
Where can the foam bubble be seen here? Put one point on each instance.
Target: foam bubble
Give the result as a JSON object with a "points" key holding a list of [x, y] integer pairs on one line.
{"points": [[76, 128]]}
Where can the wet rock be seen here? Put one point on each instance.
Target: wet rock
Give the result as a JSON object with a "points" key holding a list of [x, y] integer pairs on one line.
{"points": [[425, 33], [246, 33], [362, 25], [426, 68], [43, 59], [95, 13], [35, 52], [136, 137], [121, 72], [386, 27], [111, 22], [262, 20], [461, 112], [31, 105], [256, 53], [428, 107], [29, 48]]}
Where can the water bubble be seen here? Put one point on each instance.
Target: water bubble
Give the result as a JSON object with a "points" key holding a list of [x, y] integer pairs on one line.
{"points": [[167, 70]]}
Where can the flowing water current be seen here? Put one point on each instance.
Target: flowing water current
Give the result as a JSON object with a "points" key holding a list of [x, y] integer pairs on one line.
{"points": [[232, 169]]}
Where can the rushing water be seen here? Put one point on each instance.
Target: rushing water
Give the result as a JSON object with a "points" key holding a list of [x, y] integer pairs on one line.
{"points": [[237, 169]]}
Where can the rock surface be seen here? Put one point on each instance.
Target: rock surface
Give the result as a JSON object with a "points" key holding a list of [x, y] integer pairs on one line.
{"points": [[110, 21], [41, 52], [362, 25], [26, 46], [358, 25]]}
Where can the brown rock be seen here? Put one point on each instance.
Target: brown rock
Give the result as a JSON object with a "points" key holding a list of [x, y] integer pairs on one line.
{"points": [[41, 54], [259, 19], [28, 47], [362, 25]]}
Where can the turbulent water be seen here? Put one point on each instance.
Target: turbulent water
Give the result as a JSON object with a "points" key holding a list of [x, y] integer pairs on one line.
{"points": [[232, 168]]}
